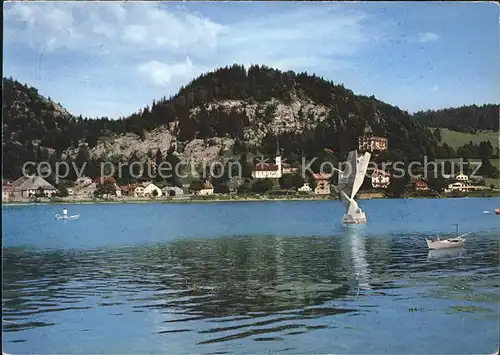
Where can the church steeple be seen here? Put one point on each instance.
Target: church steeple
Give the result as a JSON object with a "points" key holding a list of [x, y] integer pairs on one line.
{"points": [[278, 158]]}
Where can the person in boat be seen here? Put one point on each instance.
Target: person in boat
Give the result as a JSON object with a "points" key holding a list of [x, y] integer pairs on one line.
{"points": [[65, 212]]}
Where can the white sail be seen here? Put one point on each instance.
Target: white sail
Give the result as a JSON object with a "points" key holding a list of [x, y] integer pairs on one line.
{"points": [[350, 180]]}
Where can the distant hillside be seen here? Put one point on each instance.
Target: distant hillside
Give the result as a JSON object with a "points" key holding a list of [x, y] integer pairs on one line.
{"points": [[458, 139], [467, 119], [224, 113]]}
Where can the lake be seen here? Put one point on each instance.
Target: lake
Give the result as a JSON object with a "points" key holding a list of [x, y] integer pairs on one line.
{"points": [[250, 277]]}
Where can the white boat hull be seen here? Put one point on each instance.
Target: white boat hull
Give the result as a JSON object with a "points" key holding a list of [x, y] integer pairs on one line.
{"points": [[59, 217], [446, 243]]}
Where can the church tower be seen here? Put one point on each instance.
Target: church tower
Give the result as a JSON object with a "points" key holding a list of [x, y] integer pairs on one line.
{"points": [[278, 159]]}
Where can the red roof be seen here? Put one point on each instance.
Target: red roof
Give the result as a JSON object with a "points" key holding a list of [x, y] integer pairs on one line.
{"points": [[265, 167], [130, 187], [322, 176], [6, 183], [103, 180], [420, 182]]}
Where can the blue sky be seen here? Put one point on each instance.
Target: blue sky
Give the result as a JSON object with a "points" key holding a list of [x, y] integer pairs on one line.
{"points": [[112, 59]]}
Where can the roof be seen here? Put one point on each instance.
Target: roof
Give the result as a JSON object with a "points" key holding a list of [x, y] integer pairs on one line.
{"points": [[129, 187], [6, 183], [377, 173], [32, 183], [322, 176], [208, 185], [266, 167]]}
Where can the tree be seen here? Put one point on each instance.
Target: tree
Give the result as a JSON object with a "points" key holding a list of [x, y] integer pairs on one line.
{"points": [[244, 188], [106, 189], [62, 191], [158, 161], [154, 193], [438, 183], [246, 167], [262, 185], [437, 134], [221, 189], [286, 182], [196, 185]]}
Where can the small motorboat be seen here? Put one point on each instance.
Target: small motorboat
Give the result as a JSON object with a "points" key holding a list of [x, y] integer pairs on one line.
{"points": [[497, 210], [455, 242]]}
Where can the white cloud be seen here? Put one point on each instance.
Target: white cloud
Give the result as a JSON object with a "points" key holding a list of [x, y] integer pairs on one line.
{"points": [[425, 37], [163, 74], [169, 46], [81, 27]]}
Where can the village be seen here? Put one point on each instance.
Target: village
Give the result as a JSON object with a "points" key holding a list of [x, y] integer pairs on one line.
{"points": [[318, 185]]}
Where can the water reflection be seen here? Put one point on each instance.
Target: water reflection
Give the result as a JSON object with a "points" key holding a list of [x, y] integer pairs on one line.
{"points": [[356, 240], [220, 290], [445, 253]]}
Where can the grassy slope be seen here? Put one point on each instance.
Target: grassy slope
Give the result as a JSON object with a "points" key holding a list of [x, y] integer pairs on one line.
{"points": [[457, 139]]}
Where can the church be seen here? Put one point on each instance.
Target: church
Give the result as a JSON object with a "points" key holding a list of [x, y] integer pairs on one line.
{"points": [[269, 170]]}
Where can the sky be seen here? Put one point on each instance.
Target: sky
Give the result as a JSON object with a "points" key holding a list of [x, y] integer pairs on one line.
{"points": [[113, 58]]}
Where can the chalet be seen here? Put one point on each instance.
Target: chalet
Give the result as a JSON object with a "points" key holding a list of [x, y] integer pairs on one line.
{"points": [[322, 184], [150, 190], [207, 189], [26, 187], [420, 185], [380, 179]]}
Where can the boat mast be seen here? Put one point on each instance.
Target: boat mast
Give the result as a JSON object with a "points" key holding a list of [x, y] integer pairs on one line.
{"points": [[457, 230]]}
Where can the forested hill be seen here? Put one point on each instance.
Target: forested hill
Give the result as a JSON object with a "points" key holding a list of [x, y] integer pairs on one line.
{"points": [[245, 109], [469, 119]]}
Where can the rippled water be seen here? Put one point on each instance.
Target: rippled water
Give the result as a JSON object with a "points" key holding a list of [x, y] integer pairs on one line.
{"points": [[351, 291]]}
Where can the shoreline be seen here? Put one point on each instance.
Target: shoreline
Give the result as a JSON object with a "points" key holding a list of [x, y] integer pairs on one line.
{"points": [[368, 196]]}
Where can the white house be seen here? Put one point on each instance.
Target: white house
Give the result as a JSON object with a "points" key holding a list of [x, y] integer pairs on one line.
{"points": [[305, 188], [322, 184], [172, 191], [380, 179], [458, 186], [207, 189], [462, 178], [149, 189]]}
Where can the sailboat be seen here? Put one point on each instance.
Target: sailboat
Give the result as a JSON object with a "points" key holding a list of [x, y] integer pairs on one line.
{"points": [[455, 242]]}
